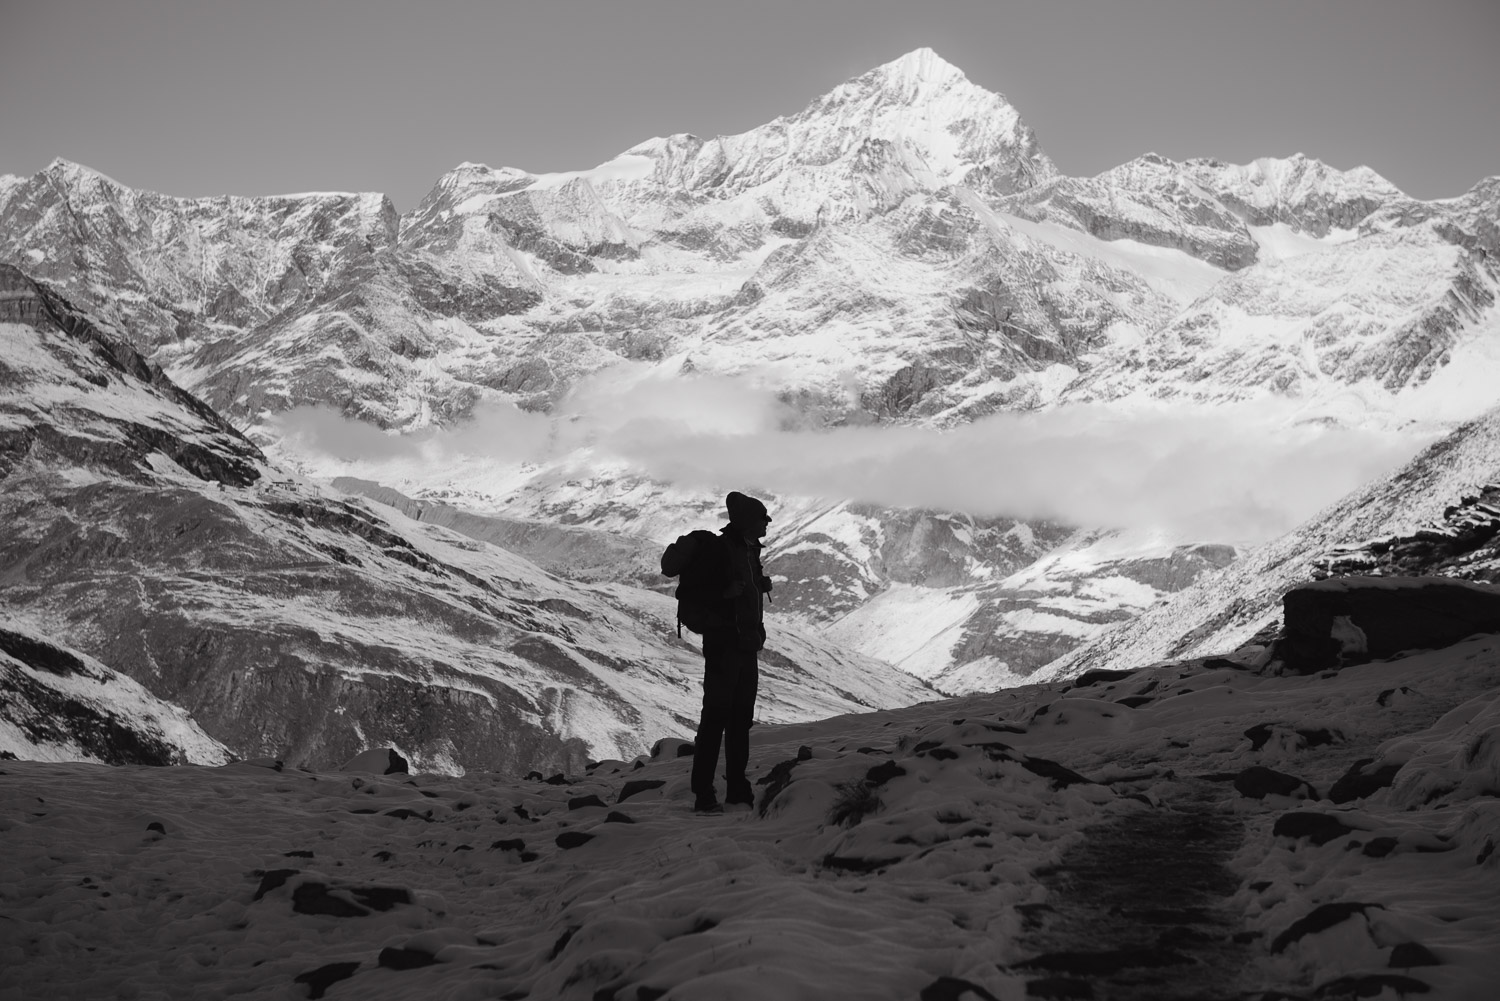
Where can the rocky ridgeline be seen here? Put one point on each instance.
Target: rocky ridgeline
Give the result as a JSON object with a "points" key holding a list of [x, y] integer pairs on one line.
{"points": [[1465, 544]]}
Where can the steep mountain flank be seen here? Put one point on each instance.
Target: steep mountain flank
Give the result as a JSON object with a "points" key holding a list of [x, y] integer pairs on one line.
{"points": [[296, 622]]}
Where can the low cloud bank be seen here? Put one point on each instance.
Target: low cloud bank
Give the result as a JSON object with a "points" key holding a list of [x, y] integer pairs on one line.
{"points": [[1238, 473]]}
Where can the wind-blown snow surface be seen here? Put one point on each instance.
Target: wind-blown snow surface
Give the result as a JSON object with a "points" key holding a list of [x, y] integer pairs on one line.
{"points": [[897, 854]]}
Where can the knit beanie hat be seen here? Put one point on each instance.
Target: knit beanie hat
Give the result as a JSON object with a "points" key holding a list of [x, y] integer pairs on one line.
{"points": [[744, 509]]}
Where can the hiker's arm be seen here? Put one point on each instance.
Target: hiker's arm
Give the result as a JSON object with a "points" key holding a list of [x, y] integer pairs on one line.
{"points": [[678, 555]]}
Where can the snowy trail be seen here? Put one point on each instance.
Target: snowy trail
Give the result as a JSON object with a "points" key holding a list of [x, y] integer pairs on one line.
{"points": [[1140, 907]]}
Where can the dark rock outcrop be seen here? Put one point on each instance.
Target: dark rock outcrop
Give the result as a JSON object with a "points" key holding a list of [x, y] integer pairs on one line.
{"points": [[1353, 620]]}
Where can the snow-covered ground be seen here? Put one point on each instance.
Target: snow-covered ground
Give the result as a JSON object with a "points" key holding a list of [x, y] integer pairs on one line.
{"points": [[898, 854]]}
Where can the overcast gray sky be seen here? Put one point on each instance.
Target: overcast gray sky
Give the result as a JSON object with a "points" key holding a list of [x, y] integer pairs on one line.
{"points": [[197, 97]]}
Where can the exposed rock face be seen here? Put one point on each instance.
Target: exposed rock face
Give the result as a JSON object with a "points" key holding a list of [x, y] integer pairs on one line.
{"points": [[173, 269], [302, 625], [1151, 201], [84, 357], [1352, 620], [1464, 544], [57, 704]]}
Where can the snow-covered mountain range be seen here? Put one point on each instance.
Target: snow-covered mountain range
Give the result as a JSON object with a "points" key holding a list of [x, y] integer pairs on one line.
{"points": [[901, 252], [147, 536]]}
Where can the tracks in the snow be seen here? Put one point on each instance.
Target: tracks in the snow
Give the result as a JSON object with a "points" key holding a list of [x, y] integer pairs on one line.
{"points": [[1136, 910]]}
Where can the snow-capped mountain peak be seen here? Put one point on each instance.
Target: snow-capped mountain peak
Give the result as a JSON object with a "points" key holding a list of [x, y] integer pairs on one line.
{"points": [[918, 74]]}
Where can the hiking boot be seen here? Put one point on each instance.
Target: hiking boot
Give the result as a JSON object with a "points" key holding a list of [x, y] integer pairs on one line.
{"points": [[740, 795], [707, 803]]}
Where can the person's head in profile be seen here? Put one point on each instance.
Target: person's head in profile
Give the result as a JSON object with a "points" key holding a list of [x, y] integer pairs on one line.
{"points": [[747, 516]]}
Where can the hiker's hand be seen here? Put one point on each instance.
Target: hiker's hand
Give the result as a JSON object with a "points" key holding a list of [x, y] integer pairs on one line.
{"points": [[765, 585]]}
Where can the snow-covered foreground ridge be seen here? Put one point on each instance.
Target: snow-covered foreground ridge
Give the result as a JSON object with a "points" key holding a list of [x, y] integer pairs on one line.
{"points": [[1190, 830]]}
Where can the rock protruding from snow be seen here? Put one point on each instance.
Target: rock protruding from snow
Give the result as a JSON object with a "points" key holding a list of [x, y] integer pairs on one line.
{"points": [[1341, 621], [378, 761]]}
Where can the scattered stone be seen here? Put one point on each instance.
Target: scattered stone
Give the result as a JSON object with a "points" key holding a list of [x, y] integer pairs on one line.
{"points": [[954, 989], [1409, 954], [318, 981], [672, 747], [562, 942], [1259, 734], [377, 761], [882, 773], [635, 786], [393, 958], [1319, 828], [1322, 918], [1380, 847], [1135, 701], [777, 779], [558, 780], [509, 845], [1257, 782], [616, 817], [156, 826], [316, 898], [846, 863], [1059, 988], [1106, 962], [405, 813], [297, 854], [1385, 698], [1369, 985], [804, 753], [573, 839], [1099, 676], [1361, 780], [271, 880], [581, 802], [1061, 775]]}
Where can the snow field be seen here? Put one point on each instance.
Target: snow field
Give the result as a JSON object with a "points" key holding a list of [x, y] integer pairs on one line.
{"points": [[887, 850]]}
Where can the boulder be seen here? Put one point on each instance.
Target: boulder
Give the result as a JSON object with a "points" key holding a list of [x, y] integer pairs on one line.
{"points": [[1341, 621], [377, 761]]}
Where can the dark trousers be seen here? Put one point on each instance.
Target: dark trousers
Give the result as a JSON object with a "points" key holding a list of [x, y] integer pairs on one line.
{"points": [[731, 677]]}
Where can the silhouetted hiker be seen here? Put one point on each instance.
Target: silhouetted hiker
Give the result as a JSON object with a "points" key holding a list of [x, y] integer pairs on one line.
{"points": [[720, 596]]}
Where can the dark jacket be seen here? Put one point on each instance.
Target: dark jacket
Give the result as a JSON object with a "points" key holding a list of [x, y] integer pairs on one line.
{"points": [[749, 605]]}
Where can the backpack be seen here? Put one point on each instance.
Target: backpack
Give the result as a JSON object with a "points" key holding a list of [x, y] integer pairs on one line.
{"points": [[700, 561]]}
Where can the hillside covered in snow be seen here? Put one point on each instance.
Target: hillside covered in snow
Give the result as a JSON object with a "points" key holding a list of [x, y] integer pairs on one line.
{"points": [[1200, 829]]}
